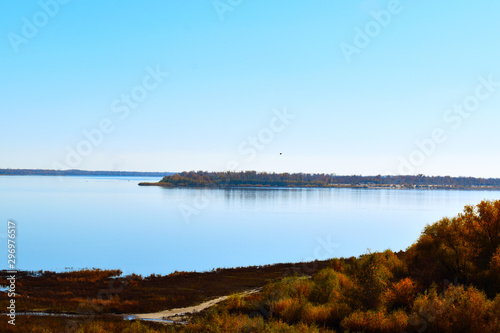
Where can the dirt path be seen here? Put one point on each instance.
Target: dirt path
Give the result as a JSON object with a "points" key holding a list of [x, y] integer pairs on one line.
{"points": [[179, 315]]}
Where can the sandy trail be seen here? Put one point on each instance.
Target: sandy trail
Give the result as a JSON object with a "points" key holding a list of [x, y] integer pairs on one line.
{"points": [[178, 315]]}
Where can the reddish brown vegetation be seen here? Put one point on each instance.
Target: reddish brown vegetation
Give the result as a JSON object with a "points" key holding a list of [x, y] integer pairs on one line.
{"points": [[106, 292]]}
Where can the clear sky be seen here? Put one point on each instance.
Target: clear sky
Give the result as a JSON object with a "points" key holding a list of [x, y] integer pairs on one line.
{"points": [[347, 87]]}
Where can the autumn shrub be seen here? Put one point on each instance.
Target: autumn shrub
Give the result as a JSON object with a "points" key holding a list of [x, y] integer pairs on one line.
{"points": [[234, 323], [225, 322], [482, 230], [400, 294], [373, 273], [340, 264], [326, 286], [289, 287], [138, 327], [493, 283], [289, 309], [463, 248], [375, 322], [458, 309], [281, 327], [235, 302], [442, 253], [316, 314], [282, 294], [332, 292], [495, 314]]}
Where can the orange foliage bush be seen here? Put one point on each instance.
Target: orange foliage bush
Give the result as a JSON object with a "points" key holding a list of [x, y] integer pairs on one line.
{"points": [[376, 321], [463, 247], [316, 314], [457, 310], [235, 302], [400, 294], [288, 309], [326, 286]]}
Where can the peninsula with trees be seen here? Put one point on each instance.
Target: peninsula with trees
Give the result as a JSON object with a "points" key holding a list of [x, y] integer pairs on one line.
{"points": [[264, 179]]}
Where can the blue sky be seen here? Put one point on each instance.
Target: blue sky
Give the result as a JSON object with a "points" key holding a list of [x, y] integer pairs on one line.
{"points": [[68, 67]]}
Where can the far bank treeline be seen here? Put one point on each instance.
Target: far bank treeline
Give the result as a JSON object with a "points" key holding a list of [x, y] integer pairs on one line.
{"points": [[263, 179]]}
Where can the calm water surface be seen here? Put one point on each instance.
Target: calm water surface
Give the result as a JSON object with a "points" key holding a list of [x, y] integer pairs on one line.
{"points": [[110, 222]]}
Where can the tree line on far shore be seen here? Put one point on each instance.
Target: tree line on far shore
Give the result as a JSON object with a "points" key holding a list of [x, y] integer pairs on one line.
{"points": [[253, 178]]}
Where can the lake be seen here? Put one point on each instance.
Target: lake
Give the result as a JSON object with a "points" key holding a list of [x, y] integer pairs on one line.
{"points": [[111, 222]]}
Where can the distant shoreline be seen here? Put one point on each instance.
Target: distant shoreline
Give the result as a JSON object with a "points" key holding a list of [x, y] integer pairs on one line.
{"points": [[254, 179], [76, 172]]}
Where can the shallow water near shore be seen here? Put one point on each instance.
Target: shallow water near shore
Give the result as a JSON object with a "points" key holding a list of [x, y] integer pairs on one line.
{"points": [[68, 223]]}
